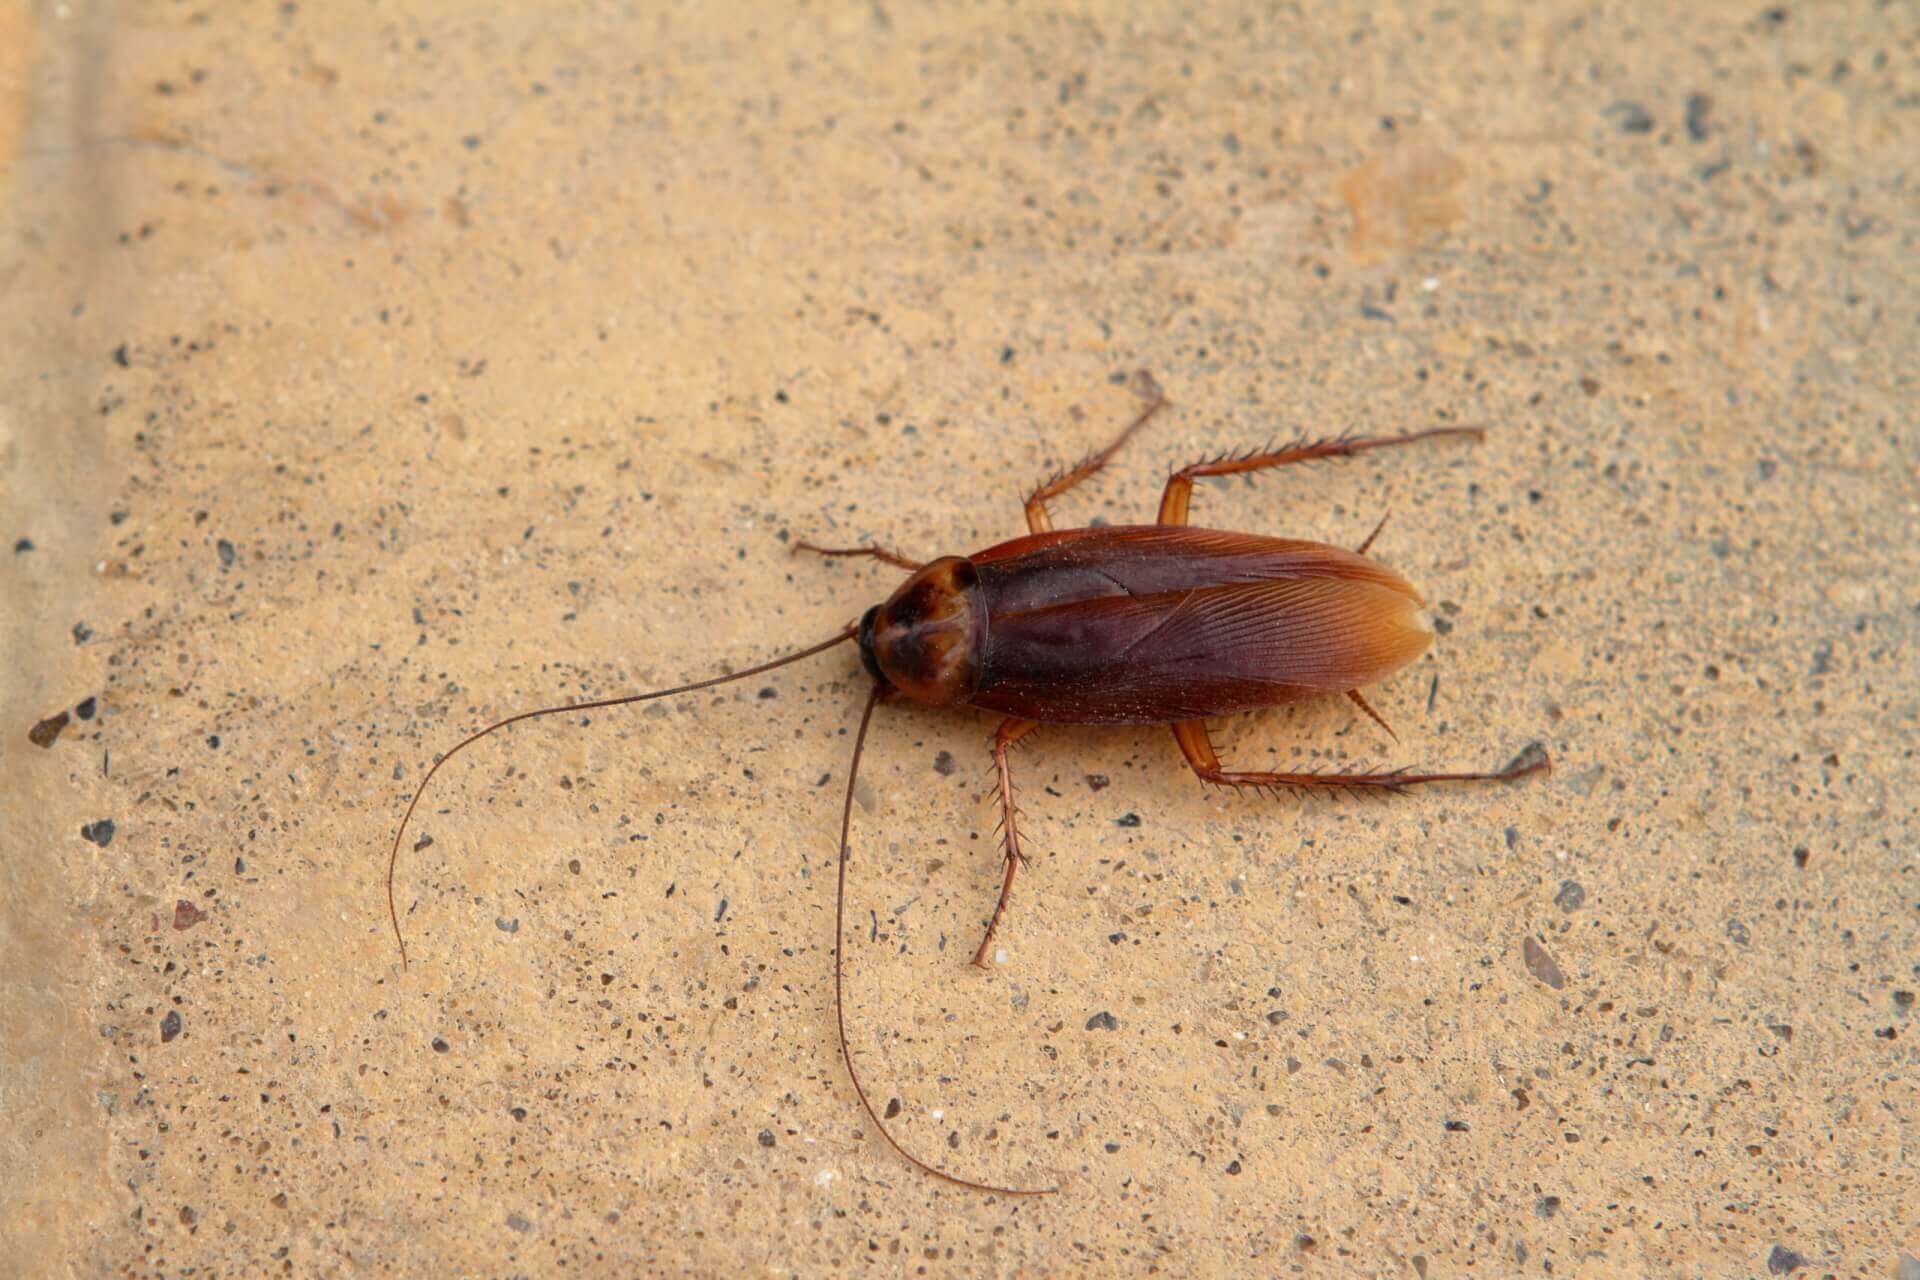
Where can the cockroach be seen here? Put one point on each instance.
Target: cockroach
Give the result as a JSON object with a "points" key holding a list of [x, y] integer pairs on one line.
{"points": [[1161, 624]]}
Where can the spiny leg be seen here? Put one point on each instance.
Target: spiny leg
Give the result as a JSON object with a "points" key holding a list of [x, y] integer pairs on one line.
{"points": [[878, 553], [879, 694], [1173, 501], [1198, 749], [1361, 703], [1037, 518], [1362, 548], [1011, 731]]}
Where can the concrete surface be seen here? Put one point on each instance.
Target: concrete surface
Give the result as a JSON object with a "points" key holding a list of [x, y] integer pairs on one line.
{"points": [[369, 376]]}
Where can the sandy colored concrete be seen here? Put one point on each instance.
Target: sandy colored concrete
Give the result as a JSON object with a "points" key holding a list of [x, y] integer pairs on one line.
{"points": [[365, 380]]}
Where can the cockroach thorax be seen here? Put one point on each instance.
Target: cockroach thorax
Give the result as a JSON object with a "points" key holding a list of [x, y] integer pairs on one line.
{"points": [[926, 639]]}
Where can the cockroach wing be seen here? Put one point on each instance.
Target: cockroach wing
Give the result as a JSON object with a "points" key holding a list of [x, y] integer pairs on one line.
{"points": [[1153, 559], [1205, 651]]}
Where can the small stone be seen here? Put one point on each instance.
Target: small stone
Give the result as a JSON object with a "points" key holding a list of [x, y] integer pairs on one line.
{"points": [[1546, 1206], [439, 1045], [1541, 965], [766, 1137], [1738, 933], [1784, 1261], [44, 733], [1570, 897], [1630, 117], [1103, 1021], [169, 1026], [186, 915], [227, 554], [517, 1223], [943, 764], [1127, 820], [1699, 107], [100, 833]]}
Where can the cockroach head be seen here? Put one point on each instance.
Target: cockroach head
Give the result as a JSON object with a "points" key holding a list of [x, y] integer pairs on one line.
{"points": [[926, 639]]}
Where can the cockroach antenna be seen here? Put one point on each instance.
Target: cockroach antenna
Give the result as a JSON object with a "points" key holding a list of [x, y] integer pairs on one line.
{"points": [[1150, 624]]}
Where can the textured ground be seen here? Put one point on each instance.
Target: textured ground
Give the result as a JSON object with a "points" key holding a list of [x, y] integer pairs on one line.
{"points": [[364, 381]]}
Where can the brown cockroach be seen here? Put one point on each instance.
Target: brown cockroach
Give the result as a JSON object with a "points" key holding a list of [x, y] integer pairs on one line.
{"points": [[1131, 624]]}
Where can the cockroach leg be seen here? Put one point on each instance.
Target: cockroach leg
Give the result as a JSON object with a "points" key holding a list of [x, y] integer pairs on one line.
{"points": [[1011, 731], [1361, 703], [1179, 490], [893, 558], [1037, 518], [1362, 548], [878, 695], [1198, 748]]}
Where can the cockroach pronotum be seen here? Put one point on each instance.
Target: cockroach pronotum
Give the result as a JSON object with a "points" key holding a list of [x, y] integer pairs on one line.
{"points": [[1128, 624]]}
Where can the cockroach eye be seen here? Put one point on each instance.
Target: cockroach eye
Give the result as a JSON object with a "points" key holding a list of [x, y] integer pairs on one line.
{"points": [[867, 659]]}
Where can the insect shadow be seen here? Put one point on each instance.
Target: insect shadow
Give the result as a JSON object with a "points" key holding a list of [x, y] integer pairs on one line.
{"points": [[1160, 623]]}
